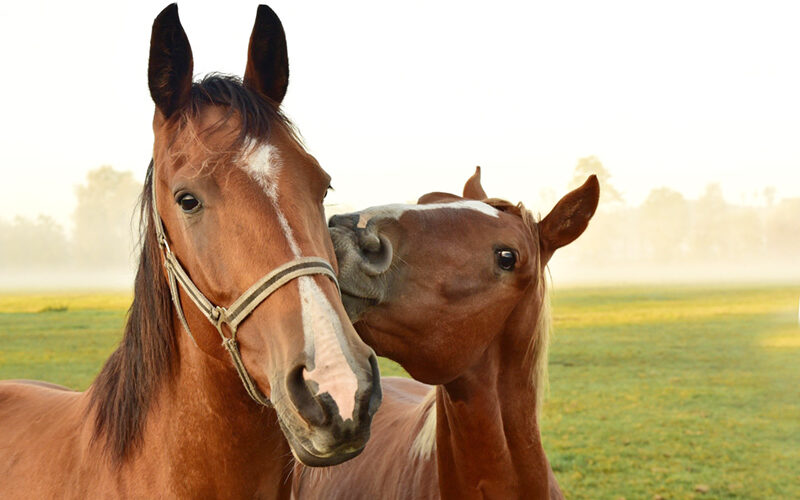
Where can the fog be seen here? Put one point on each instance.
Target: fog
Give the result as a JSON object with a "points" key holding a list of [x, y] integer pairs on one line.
{"points": [[97, 253], [668, 238], [690, 109]]}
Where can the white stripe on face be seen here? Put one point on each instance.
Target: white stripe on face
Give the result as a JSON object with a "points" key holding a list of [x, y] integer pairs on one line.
{"points": [[331, 370], [264, 165], [397, 210], [322, 329]]}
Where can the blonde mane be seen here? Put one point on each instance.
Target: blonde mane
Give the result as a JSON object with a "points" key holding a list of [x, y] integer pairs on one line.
{"points": [[539, 347], [425, 442], [541, 330]]}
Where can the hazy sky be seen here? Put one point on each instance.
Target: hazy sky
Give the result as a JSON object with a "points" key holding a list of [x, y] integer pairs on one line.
{"points": [[399, 98]]}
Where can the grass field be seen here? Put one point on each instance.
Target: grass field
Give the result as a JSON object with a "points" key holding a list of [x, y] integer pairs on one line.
{"points": [[677, 392]]}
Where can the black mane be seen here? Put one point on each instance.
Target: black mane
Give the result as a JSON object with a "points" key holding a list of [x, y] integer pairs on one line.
{"points": [[256, 112]]}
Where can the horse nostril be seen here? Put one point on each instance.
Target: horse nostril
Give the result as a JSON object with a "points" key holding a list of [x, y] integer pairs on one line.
{"points": [[377, 395], [376, 253], [369, 241], [300, 395]]}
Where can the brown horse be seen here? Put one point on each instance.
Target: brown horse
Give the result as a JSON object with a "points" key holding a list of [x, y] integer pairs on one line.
{"points": [[230, 199], [454, 290]]}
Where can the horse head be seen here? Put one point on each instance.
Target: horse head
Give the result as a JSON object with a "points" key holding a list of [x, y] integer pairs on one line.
{"points": [[431, 285], [244, 239]]}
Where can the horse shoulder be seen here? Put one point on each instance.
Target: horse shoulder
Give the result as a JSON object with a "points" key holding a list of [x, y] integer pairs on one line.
{"points": [[39, 437]]}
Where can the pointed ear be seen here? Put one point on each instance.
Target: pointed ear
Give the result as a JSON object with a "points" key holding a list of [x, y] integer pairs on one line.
{"points": [[267, 69], [169, 73], [569, 217], [473, 189]]}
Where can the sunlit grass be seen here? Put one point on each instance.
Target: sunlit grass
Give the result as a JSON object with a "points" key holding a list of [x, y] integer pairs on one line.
{"points": [[659, 391], [654, 390], [33, 302], [578, 307], [66, 337]]}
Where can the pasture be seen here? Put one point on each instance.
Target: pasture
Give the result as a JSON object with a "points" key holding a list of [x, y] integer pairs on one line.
{"points": [[671, 392]]}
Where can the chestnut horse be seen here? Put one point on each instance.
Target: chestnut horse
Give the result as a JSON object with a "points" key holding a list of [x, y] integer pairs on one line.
{"points": [[454, 290], [201, 400]]}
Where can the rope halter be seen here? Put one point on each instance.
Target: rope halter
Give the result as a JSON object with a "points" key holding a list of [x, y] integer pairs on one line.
{"points": [[234, 314]]}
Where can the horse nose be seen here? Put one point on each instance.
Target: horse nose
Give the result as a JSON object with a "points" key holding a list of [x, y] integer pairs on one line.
{"points": [[365, 246], [346, 221], [376, 251], [369, 240], [320, 411]]}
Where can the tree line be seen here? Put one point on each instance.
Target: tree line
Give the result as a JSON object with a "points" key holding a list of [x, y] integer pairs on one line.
{"points": [[664, 236], [103, 234], [669, 235]]}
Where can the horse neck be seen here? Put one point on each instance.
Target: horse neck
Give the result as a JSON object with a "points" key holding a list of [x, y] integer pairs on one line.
{"points": [[487, 433], [204, 422]]}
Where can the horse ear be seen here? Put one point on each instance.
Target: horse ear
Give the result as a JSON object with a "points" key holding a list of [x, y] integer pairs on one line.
{"points": [[267, 69], [473, 189], [569, 217], [169, 73]]}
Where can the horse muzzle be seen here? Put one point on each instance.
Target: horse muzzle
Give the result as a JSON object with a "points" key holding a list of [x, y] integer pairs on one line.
{"points": [[317, 431]]}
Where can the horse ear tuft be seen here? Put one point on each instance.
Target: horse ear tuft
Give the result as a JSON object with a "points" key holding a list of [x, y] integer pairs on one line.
{"points": [[267, 69], [169, 72], [473, 189], [569, 218]]}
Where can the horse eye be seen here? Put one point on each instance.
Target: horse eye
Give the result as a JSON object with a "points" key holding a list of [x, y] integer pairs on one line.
{"points": [[506, 259], [189, 204]]}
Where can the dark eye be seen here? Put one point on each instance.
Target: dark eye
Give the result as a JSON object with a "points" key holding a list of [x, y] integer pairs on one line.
{"points": [[506, 259], [327, 190], [189, 204]]}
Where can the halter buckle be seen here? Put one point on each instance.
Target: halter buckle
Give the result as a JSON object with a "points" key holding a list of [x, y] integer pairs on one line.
{"points": [[218, 316]]}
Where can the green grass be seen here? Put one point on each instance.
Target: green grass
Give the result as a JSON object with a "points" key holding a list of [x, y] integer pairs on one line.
{"points": [[65, 338], [654, 390]]}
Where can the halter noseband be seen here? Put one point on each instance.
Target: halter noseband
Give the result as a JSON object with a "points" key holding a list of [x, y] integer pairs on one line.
{"points": [[241, 307]]}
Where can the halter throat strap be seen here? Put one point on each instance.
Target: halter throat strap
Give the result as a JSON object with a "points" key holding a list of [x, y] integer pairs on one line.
{"points": [[241, 308]]}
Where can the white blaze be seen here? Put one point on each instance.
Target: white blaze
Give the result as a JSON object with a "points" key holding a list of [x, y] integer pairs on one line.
{"points": [[322, 329], [397, 210], [332, 372]]}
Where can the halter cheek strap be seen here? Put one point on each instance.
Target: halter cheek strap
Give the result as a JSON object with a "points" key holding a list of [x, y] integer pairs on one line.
{"points": [[241, 307]]}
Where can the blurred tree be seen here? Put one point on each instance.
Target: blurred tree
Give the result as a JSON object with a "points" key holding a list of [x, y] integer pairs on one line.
{"points": [[709, 238], [592, 165], [28, 244], [607, 240], [664, 221], [103, 233], [783, 231]]}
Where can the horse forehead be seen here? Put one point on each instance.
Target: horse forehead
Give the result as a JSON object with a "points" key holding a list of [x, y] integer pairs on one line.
{"points": [[266, 159], [398, 210], [263, 162]]}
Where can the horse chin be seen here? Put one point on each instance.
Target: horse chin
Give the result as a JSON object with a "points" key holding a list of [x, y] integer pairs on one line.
{"points": [[317, 458], [311, 460], [322, 446], [356, 306]]}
